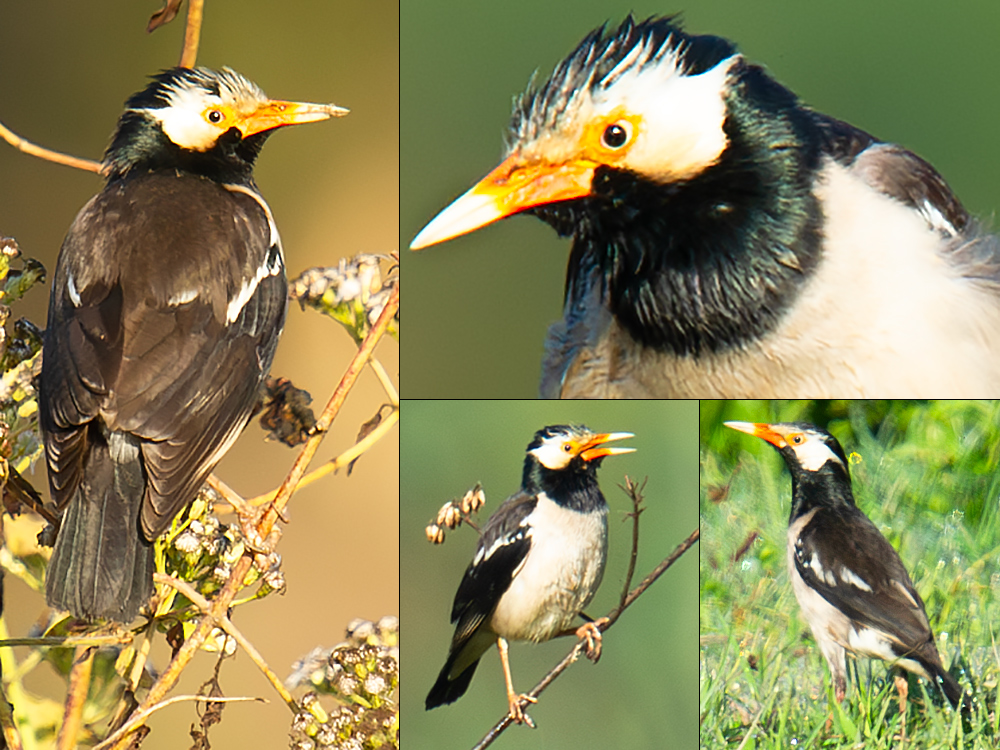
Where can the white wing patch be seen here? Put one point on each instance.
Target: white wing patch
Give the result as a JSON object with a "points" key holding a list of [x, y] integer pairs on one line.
{"points": [[71, 290], [849, 576], [270, 267], [182, 298]]}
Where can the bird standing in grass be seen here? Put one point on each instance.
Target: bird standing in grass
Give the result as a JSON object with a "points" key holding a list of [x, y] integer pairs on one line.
{"points": [[538, 563], [167, 303], [849, 581], [730, 242]]}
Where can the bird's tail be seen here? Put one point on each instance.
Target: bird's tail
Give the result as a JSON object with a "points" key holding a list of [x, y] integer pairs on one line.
{"points": [[951, 688], [102, 564], [447, 690]]}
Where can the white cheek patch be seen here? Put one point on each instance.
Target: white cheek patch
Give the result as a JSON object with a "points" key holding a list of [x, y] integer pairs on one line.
{"points": [[183, 121], [682, 116], [813, 453], [551, 454]]}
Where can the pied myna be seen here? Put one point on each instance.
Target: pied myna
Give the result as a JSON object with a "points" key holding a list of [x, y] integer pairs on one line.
{"points": [[167, 303], [728, 241], [538, 563], [850, 583]]}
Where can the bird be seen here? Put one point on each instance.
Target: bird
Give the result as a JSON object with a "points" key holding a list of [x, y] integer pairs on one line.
{"points": [[539, 561], [850, 583], [166, 306], [729, 241]]}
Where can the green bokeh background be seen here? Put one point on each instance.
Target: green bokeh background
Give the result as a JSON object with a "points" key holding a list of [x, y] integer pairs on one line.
{"points": [[915, 73], [333, 187], [643, 692]]}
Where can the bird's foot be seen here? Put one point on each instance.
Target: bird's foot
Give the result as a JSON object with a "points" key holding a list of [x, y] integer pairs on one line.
{"points": [[517, 713], [591, 633], [252, 539]]}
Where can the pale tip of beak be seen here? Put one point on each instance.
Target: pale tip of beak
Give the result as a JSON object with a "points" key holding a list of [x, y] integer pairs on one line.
{"points": [[469, 212], [748, 427]]}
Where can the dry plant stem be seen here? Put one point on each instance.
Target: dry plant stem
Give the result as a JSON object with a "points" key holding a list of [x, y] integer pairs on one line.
{"points": [[385, 380], [10, 733], [578, 648], [192, 33], [360, 359], [220, 604], [70, 641], [230, 495], [226, 624], [140, 716], [22, 144], [335, 464], [635, 494], [79, 683]]}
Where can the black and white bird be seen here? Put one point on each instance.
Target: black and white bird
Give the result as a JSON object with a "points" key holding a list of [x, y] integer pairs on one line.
{"points": [[167, 303], [849, 581], [538, 563], [728, 241]]}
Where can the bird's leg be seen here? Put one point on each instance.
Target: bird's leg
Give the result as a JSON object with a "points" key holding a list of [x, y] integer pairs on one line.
{"points": [[840, 687], [591, 632], [513, 699], [903, 688]]}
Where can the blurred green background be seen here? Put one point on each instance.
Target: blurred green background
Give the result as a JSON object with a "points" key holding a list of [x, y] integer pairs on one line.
{"points": [[925, 472], [642, 692], [913, 73], [333, 187]]}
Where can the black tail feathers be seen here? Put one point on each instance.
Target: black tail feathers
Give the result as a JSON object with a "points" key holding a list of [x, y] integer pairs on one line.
{"points": [[102, 564]]}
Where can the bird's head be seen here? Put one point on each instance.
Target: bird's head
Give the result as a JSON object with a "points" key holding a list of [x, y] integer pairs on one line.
{"points": [[206, 121], [645, 99], [805, 447], [560, 447]]}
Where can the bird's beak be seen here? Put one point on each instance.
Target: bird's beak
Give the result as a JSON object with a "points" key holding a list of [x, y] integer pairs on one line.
{"points": [[759, 429], [595, 446], [512, 187], [276, 114]]}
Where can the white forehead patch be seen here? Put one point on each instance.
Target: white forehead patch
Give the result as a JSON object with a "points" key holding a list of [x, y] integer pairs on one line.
{"points": [[813, 453], [552, 453], [682, 116]]}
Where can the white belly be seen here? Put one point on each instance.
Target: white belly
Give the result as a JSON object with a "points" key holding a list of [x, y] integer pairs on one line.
{"points": [[559, 576]]}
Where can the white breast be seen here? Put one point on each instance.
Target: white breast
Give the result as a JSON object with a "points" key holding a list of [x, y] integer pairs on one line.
{"points": [[559, 576]]}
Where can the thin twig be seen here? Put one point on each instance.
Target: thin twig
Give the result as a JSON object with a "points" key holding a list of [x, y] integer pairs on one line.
{"points": [[79, 684], [339, 462], [10, 734], [192, 33], [226, 624], [220, 604], [385, 380], [23, 144], [364, 352], [578, 648], [635, 494], [69, 641], [144, 713]]}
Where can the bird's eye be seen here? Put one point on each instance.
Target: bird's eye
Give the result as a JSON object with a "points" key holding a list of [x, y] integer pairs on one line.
{"points": [[797, 439], [214, 116], [568, 448], [617, 135]]}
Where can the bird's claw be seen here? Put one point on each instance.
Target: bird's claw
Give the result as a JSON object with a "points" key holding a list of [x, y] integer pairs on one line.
{"points": [[517, 713], [591, 633]]}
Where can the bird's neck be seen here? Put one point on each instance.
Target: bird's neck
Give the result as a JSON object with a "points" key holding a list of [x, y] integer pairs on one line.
{"points": [[830, 487], [575, 490], [139, 145], [711, 263]]}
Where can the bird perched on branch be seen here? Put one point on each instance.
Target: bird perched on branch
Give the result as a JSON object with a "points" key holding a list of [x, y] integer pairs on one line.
{"points": [[849, 581], [728, 241], [167, 303], [538, 563]]}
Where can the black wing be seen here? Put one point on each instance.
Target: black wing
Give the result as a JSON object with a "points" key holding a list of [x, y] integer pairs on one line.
{"points": [[502, 549], [843, 556], [148, 331], [895, 172]]}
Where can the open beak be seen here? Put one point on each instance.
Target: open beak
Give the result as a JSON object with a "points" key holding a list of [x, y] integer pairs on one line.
{"points": [[759, 429], [596, 446], [276, 114], [512, 187]]}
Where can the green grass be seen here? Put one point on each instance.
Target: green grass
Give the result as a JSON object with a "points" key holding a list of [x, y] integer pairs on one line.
{"points": [[926, 474]]}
